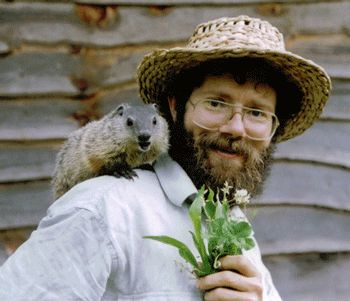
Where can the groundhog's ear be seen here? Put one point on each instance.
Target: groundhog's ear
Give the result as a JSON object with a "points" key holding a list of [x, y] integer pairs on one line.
{"points": [[120, 110], [155, 106]]}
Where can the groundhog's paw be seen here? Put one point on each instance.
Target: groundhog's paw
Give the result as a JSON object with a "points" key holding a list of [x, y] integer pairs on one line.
{"points": [[119, 170], [125, 173]]}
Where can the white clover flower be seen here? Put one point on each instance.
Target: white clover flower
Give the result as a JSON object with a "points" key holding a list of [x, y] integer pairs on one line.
{"points": [[242, 197], [203, 200], [226, 189]]}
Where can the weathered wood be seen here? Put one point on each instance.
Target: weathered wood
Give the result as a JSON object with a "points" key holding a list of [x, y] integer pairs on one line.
{"points": [[38, 73], [34, 119], [24, 204], [113, 98], [4, 48], [180, 2], [27, 161], [307, 184], [3, 253], [311, 277], [293, 229], [338, 105], [137, 24], [62, 74], [332, 52], [325, 142]]}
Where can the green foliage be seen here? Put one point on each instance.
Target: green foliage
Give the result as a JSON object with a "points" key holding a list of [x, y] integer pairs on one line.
{"points": [[222, 237]]}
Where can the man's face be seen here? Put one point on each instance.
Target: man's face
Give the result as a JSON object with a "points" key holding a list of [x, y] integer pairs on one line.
{"points": [[227, 154]]}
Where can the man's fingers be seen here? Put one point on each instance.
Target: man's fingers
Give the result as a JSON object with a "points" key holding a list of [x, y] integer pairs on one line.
{"points": [[222, 294], [238, 275], [221, 279], [240, 264]]}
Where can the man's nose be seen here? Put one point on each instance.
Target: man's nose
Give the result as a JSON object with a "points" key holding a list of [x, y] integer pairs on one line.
{"points": [[234, 126]]}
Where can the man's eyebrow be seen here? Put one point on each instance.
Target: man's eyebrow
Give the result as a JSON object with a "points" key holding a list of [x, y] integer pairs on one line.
{"points": [[261, 105]]}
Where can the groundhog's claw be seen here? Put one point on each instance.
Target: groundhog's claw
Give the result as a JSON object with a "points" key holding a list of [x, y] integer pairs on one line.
{"points": [[119, 170], [127, 174]]}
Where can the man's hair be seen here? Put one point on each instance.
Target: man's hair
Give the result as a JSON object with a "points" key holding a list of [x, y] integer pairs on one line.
{"points": [[256, 70]]}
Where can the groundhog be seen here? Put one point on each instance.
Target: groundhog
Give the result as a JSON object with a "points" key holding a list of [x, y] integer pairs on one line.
{"points": [[127, 137]]}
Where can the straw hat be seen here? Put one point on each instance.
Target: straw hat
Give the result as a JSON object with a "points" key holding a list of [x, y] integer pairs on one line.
{"points": [[240, 37]]}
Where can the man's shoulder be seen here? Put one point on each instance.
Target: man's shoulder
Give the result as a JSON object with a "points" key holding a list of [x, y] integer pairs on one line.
{"points": [[98, 192]]}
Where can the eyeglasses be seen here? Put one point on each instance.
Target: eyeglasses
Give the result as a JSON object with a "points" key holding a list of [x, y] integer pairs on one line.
{"points": [[211, 114]]}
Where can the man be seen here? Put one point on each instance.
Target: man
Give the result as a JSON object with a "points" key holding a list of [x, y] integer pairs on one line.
{"points": [[229, 97]]}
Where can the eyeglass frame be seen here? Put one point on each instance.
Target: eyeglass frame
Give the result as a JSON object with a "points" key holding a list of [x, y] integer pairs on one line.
{"points": [[277, 123]]}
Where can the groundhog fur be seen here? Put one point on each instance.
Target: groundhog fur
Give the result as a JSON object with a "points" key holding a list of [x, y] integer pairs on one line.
{"points": [[127, 137]]}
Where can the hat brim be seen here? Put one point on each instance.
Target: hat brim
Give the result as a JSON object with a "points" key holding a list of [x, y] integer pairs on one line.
{"points": [[312, 80]]}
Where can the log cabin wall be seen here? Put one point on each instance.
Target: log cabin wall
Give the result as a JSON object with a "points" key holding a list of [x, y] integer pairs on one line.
{"points": [[65, 63]]}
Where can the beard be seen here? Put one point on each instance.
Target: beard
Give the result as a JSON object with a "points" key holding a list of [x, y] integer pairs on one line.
{"points": [[195, 157]]}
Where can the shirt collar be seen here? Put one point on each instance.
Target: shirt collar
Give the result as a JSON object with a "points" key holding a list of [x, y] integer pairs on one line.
{"points": [[175, 182]]}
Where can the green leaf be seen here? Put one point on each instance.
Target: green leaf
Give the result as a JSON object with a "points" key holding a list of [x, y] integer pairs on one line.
{"points": [[238, 252], [243, 229], [249, 244], [217, 225], [184, 251], [210, 209], [211, 195], [195, 213], [195, 241], [221, 211]]}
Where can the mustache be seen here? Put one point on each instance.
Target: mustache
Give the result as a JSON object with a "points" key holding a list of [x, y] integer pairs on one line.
{"points": [[221, 142]]}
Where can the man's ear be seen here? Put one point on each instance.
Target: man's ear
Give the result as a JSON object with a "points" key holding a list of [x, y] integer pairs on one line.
{"points": [[172, 105]]}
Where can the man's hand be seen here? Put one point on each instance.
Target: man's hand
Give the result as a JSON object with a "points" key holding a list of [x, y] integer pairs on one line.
{"points": [[239, 280]]}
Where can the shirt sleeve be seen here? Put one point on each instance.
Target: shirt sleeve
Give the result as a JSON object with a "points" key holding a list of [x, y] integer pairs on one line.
{"points": [[67, 258]]}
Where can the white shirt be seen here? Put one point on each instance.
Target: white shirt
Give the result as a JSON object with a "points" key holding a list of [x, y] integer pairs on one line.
{"points": [[90, 245]]}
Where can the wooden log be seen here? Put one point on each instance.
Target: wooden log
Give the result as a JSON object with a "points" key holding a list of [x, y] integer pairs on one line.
{"points": [[311, 277], [42, 119], [301, 229], [180, 2], [43, 73], [110, 100], [24, 204], [38, 73], [329, 51], [338, 105], [140, 24], [3, 253], [307, 184], [4, 48], [326, 142], [27, 161]]}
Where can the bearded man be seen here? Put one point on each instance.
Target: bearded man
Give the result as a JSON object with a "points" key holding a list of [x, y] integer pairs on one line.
{"points": [[193, 143], [229, 97]]}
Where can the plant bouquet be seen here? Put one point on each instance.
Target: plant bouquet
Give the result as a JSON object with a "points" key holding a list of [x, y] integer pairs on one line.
{"points": [[223, 236]]}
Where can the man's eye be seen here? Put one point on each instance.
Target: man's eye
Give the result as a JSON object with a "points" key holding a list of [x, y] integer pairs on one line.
{"points": [[215, 103], [258, 114], [255, 113]]}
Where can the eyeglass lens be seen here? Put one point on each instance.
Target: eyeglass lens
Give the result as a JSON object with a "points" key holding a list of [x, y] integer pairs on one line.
{"points": [[212, 114]]}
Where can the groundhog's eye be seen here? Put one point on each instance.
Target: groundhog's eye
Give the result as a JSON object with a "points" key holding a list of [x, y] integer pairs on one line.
{"points": [[154, 121], [129, 122]]}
